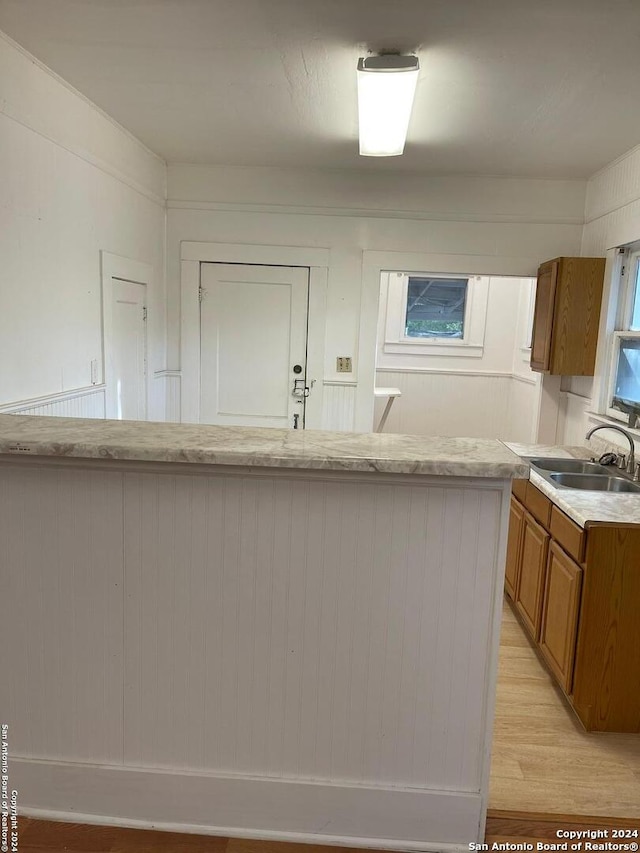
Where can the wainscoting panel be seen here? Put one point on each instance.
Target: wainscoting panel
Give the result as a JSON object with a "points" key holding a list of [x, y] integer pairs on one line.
{"points": [[460, 403], [453, 404], [573, 420], [304, 656], [301, 637], [80, 403], [61, 561], [522, 414], [170, 382], [339, 405]]}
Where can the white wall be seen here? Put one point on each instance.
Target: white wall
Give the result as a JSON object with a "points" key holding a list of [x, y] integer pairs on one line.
{"points": [[73, 183], [612, 218], [493, 225], [491, 395]]}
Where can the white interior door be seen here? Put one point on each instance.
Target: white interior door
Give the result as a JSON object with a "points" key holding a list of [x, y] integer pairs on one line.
{"points": [[126, 351], [253, 343]]}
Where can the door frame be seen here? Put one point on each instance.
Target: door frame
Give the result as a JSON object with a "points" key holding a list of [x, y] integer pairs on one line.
{"points": [[118, 267], [193, 254]]}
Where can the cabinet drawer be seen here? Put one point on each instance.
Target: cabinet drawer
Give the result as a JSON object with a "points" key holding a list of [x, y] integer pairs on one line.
{"points": [[519, 489], [538, 504], [572, 537]]}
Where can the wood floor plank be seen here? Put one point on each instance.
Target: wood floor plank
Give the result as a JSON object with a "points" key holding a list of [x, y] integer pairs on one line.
{"points": [[561, 767], [523, 826], [57, 836]]}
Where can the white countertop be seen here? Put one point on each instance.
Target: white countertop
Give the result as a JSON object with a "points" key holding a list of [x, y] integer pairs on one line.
{"points": [[584, 507], [247, 446]]}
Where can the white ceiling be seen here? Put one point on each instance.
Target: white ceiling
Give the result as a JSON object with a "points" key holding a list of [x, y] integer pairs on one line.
{"points": [[546, 88]]}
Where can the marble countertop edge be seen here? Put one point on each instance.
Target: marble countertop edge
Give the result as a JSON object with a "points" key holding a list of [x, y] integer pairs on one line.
{"points": [[385, 453]]}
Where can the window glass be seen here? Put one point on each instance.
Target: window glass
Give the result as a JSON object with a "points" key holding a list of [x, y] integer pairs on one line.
{"points": [[627, 384], [435, 307]]}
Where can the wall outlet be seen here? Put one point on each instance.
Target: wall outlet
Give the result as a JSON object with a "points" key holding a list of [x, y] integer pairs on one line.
{"points": [[94, 371], [343, 364]]}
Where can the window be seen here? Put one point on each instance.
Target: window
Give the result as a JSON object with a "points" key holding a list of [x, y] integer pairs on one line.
{"points": [[434, 313], [624, 382], [435, 307]]}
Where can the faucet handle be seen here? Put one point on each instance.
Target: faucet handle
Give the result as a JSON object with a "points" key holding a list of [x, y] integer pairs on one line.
{"points": [[621, 462], [607, 459]]}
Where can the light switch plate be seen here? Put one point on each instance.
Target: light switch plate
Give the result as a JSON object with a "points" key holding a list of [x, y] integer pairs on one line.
{"points": [[343, 364]]}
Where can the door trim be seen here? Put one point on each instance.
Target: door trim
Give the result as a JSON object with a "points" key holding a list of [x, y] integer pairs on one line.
{"points": [[118, 267], [195, 253]]}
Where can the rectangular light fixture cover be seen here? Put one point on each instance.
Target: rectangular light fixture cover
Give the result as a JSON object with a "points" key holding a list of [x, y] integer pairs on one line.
{"points": [[386, 88]]}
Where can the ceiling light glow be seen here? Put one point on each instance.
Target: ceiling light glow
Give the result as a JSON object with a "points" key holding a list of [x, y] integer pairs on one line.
{"points": [[386, 88]]}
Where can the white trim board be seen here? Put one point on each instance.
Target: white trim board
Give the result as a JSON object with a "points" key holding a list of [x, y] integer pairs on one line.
{"points": [[289, 810], [247, 253], [366, 212], [195, 253]]}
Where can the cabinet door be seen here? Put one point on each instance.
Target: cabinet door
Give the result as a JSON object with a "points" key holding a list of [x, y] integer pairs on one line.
{"points": [[514, 550], [543, 316], [559, 629], [535, 542]]}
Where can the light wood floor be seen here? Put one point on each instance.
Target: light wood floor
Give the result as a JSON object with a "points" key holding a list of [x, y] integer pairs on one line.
{"points": [[39, 836], [543, 761]]}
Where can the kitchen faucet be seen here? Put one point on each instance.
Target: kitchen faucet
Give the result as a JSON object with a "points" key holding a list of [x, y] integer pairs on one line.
{"points": [[631, 462]]}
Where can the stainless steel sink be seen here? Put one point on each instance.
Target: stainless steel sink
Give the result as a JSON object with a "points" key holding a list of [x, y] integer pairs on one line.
{"points": [[573, 466], [594, 482]]}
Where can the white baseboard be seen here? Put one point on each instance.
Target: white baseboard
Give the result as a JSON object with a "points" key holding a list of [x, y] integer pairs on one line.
{"points": [[249, 807]]}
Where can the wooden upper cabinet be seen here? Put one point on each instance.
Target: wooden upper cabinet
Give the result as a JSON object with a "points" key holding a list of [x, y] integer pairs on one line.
{"points": [[566, 316]]}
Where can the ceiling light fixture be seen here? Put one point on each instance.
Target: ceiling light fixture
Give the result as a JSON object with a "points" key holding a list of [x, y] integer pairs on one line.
{"points": [[386, 86]]}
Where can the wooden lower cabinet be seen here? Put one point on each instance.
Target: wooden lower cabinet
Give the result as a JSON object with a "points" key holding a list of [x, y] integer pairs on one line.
{"points": [[576, 591], [561, 605], [530, 587], [512, 568]]}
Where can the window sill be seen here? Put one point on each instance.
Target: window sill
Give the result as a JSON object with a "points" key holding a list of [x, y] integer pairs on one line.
{"points": [[451, 348], [605, 421]]}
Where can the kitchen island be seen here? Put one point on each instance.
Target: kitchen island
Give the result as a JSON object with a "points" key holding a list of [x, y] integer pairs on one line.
{"points": [[261, 633]]}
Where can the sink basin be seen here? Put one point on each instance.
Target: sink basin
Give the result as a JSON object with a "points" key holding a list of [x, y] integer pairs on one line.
{"points": [[594, 482], [573, 466]]}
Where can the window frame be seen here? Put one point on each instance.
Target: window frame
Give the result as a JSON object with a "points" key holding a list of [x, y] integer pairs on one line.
{"points": [[627, 283], [471, 344]]}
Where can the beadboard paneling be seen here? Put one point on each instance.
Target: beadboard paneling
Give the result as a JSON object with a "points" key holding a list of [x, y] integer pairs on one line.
{"points": [[450, 404], [62, 619], [522, 412], [170, 382], [80, 403], [574, 423], [339, 405], [612, 212], [292, 628]]}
